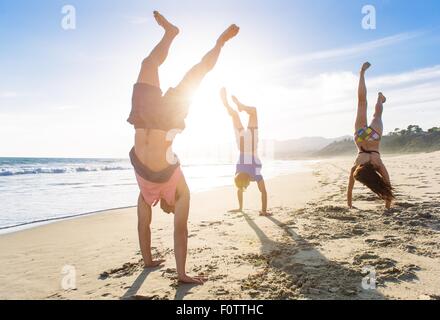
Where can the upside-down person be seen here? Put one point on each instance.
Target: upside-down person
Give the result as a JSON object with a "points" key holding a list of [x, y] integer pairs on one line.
{"points": [[249, 165], [368, 168], [156, 118]]}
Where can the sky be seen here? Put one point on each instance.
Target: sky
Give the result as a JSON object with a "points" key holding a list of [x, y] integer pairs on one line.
{"points": [[67, 93]]}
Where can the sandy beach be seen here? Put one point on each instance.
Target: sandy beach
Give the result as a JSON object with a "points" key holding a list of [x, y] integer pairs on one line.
{"points": [[312, 248]]}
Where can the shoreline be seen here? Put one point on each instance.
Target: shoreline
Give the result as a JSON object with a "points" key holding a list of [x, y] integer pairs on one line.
{"points": [[35, 224], [43, 222]]}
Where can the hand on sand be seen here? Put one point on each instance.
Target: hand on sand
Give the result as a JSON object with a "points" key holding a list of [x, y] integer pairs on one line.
{"points": [[154, 264], [229, 33], [365, 66], [266, 214], [199, 280], [387, 205], [236, 211], [164, 23]]}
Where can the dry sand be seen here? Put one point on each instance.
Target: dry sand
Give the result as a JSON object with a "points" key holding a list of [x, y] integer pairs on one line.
{"points": [[313, 247]]}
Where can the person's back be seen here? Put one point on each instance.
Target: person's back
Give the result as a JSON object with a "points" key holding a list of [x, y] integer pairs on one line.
{"points": [[247, 141]]}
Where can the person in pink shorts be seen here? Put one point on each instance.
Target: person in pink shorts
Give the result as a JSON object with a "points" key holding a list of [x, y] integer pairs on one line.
{"points": [[157, 118]]}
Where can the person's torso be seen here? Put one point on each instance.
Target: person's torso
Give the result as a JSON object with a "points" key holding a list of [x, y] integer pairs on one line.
{"points": [[247, 141], [368, 145], [363, 158], [154, 148]]}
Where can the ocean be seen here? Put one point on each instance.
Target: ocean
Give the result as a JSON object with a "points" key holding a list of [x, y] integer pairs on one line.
{"points": [[38, 190]]}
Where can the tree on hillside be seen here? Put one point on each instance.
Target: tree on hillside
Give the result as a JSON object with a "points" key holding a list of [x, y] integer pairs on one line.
{"points": [[414, 129], [396, 132]]}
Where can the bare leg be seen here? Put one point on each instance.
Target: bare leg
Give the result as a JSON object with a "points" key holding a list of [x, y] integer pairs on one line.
{"points": [[144, 222], [377, 123], [251, 111], [194, 77], [181, 233], [262, 188], [361, 118], [234, 114], [149, 73]]}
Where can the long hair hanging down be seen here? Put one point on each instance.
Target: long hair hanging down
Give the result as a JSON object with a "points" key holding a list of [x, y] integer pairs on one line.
{"points": [[368, 176]]}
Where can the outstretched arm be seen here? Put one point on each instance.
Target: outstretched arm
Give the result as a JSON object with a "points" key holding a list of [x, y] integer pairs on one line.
{"points": [[251, 111], [351, 182], [234, 114], [262, 188], [384, 173]]}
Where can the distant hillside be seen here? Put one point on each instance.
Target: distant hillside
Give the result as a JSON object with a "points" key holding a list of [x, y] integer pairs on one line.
{"points": [[410, 140], [303, 147]]}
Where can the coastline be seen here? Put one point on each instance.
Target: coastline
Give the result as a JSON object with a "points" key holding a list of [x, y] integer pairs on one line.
{"points": [[303, 167], [65, 208], [39, 223]]}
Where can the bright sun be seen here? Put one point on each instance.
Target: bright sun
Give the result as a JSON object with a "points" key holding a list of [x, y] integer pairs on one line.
{"points": [[208, 126]]}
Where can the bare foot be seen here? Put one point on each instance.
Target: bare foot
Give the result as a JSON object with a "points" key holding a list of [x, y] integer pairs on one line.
{"points": [[199, 280], [154, 264], [265, 214], [230, 33], [365, 66], [238, 103], [382, 98], [236, 211], [164, 23]]}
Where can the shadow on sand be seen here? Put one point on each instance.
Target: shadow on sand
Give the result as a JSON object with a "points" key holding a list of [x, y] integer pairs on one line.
{"points": [[296, 269], [131, 293]]}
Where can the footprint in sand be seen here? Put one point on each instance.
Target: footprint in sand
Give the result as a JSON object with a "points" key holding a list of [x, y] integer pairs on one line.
{"points": [[387, 270]]}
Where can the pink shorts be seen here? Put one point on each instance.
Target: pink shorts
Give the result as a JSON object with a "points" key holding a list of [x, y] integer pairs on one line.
{"points": [[155, 192]]}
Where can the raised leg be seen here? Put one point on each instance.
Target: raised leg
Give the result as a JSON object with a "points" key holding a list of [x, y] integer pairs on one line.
{"points": [[377, 123], [361, 117], [194, 77], [181, 233], [234, 114], [149, 73], [251, 111]]}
